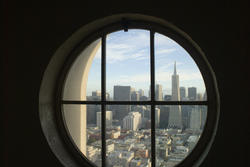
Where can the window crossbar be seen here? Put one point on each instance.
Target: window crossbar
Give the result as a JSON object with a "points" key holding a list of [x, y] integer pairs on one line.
{"points": [[135, 102]]}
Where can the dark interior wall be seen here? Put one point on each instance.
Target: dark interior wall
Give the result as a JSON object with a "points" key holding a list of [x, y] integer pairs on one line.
{"points": [[32, 33]]}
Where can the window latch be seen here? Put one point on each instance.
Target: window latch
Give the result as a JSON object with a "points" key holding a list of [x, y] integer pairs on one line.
{"points": [[124, 23]]}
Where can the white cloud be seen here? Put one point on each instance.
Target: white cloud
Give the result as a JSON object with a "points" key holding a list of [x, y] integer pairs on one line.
{"points": [[131, 45], [161, 40], [131, 79], [165, 51], [135, 46], [119, 46]]}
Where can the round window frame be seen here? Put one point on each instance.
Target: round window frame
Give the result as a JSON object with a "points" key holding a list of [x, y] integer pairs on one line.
{"points": [[71, 154]]}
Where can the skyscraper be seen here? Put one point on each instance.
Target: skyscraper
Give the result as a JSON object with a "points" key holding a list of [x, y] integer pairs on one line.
{"points": [[158, 93], [141, 92], [132, 121], [98, 119], [183, 93], [135, 96], [203, 116], [199, 97], [121, 93], [157, 117], [195, 119], [167, 98], [108, 119], [192, 93], [93, 109], [175, 118], [164, 114], [96, 93]]}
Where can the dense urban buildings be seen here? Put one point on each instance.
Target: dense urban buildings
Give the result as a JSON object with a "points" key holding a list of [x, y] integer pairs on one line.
{"points": [[132, 121], [128, 127]]}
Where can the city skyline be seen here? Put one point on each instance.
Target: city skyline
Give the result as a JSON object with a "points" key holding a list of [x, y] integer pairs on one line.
{"points": [[128, 63], [128, 127]]}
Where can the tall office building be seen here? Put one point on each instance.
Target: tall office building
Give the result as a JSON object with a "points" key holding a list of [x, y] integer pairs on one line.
{"points": [[99, 119], [175, 118], [96, 93], [167, 98], [158, 93], [121, 93], [91, 113], [144, 98], [157, 117], [132, 121], [192, 93], [108, 119], [93, 109], [141, 92], [199, 97], [135, 96], [164, 115], [195, 118], [185, 114], [203, 116], [183, 93], [107, 96]]}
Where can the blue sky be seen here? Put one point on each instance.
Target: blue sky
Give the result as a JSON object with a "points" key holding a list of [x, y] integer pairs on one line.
{"points": [[128, 63]]}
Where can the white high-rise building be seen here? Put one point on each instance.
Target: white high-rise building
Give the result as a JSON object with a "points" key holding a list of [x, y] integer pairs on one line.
{"points": [[158, 92], [108, 119], [141, 92], [135, 96], [157, 117], [132, 121], [175, 118]]}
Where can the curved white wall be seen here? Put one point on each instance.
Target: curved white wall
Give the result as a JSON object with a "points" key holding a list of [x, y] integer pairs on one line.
{"points": [[75, 89]]}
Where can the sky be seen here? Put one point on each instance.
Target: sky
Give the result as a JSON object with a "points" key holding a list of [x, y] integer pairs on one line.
{"points": [[128, 63]]}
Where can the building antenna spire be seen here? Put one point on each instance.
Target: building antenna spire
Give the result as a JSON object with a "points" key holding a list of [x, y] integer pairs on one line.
{"points": [[175, 68]]}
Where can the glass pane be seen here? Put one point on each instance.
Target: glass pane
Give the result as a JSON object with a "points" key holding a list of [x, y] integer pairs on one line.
{"points": [[128, 65], [84, 126], [177, 75], [177, 132], [83, 82], [128, 141]]}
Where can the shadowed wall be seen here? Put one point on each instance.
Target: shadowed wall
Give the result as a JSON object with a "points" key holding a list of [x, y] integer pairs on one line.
{"points": [[31, 34]]}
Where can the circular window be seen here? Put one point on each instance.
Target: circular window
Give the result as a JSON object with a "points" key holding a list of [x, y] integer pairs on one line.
{"points": [[132, 92]]}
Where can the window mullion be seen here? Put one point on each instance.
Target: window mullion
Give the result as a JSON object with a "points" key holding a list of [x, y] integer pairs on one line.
{"points": [[152, 92], [103, 99]]}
